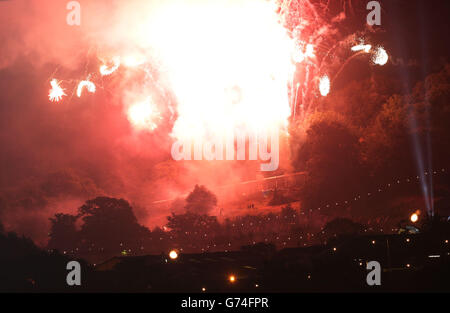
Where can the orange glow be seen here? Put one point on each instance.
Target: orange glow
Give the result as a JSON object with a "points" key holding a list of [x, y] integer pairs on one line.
{"points": [[232, 278], [173, 254], [144, 115], [414, 217]]}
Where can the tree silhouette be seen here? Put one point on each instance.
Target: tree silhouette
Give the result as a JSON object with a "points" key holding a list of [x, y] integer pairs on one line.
{"points": [[331, 156], [190, 227], [63, 232], [340, 227], [110, 225], [200, 200]]}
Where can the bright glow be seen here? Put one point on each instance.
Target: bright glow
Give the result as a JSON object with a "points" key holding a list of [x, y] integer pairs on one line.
{"points": [[232, 278], [144, 115], [414, 217], [380, 56], [324, 85], [56, 93], [89, 86], [133, 60], [299, 56], [228, 64], [173, 254], [362, 47], [108, 70]]}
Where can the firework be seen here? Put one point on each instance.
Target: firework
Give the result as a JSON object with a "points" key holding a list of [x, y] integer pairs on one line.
{"points": [[251, 74], [56, 93], [362, 47], [90, 86], [144, 115], [324, 85], [108, 70], [380, 56], [300, 56], [224, 75]]}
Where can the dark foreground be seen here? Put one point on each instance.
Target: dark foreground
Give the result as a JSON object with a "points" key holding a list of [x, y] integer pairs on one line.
{"points": [[409, 263]]}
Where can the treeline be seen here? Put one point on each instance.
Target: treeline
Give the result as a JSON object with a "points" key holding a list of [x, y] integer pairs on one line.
{"points": [[371, 133], [109, 227]]}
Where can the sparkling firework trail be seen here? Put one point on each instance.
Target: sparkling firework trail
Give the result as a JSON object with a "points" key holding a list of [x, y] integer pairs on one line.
{"points": [[90, 86], [250, 74], [380, 56], [324, 85], [56, 93], [362, 47], [105, 70]]}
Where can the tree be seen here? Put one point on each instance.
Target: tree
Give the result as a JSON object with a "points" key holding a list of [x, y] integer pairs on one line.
{"points": [[387, 139], [191, 227], [432, 102], [330, 154], [110, 224], [361, 100], [340, 227], [200, 200], [63, 232], [289, 215]]}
